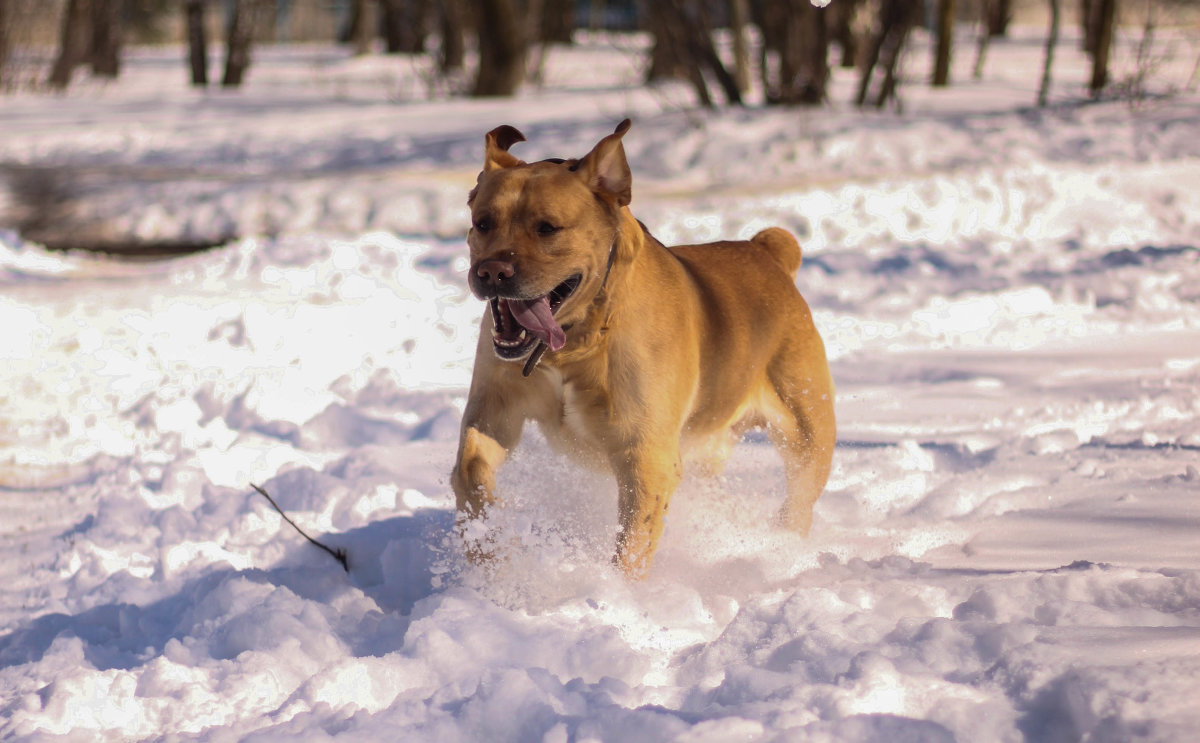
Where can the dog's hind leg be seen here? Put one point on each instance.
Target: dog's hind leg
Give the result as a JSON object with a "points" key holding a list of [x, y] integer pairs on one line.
{"points": [[803, 429]]}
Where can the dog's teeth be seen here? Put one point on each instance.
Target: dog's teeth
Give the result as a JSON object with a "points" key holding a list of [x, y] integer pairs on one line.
{"points": [[506, 343]]}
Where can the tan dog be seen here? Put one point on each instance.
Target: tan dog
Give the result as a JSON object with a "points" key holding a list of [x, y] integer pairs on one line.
{"points": [[646, 349]]}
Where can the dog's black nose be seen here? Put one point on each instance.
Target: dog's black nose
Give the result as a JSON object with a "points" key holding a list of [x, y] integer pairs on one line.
{"points": [[494, 273]]}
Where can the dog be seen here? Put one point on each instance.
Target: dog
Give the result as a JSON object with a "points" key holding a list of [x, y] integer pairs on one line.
{"points": [[626, 352]]}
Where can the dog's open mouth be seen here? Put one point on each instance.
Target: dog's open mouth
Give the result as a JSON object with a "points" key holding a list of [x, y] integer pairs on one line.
{"points": [[518, 324]]}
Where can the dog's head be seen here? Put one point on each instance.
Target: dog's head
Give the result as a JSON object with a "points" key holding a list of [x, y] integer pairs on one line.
{"points": [[541, 237]]}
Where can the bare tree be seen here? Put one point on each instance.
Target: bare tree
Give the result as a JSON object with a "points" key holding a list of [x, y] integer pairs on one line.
{"points": [[983, 40], [669, 55], [739, 16], [795, 51], [684, 48], [1087, 39], [106, 38], [945, 42], [698, 37], [842, 29], [360, 26], [998, 14], [1048, 60], [1104, 16], [405, 25], [5, 35], [597, 9], [896, 19], [503, 47], [197, 35], [558, 21], [74, 42], [239, 35], [452, 22], [91, 34], [1136, 84]]}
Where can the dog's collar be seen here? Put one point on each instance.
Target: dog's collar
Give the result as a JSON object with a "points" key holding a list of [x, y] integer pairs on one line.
{"points": [[612, 256], [540, 349]]}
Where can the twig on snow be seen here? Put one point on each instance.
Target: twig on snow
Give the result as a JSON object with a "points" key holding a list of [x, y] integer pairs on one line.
{"points": [[339, 554]]}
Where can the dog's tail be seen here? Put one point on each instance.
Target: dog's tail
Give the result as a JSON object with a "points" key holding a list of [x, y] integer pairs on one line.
{"points": [[782, 246]]}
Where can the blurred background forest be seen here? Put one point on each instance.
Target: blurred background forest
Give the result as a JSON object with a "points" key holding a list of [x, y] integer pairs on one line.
{"points": [[729, 52], [178, 72]]}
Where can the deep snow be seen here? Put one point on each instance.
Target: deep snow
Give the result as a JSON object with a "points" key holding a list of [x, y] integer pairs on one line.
{"points": [[1007, 549]]}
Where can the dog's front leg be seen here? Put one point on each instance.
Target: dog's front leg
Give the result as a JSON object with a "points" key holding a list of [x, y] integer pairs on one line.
{"points": [[474, 476], [491, 428], [646, 479], [474, 480]]}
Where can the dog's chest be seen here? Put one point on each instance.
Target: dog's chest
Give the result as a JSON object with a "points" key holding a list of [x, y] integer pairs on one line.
{"points": [[576, 427], [577, 415]]}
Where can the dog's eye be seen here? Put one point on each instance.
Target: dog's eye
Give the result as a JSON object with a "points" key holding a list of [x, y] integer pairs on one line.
{"points": [[483, 225], [545, 228]]}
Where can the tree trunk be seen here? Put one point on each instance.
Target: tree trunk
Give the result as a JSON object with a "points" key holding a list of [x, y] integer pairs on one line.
{"points": [[1087, 24], [106, 38], [870, 60], [5, 20], [795, 61], [360, 27], [945, 42], [981, 49], [809, 34], [669, 55], [1105, 18], [453, 21], [558, 21], [896, 20], [698, 28], [683, 48], [405, 26], [398, 36], [842, 29], [74, 42], [503, 48], [597, 10], [1048, 62], [238, 40], [739, 12], [999, 14], [197, 42]]}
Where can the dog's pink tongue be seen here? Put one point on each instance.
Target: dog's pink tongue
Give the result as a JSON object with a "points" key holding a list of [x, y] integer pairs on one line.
{"points": [[536, 317]]}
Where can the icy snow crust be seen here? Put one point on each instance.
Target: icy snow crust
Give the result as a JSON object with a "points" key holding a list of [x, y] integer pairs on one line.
{"points": [[1007, 549]]}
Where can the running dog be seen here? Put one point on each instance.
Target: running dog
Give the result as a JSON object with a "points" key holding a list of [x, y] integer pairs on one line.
{"points": [[626, 352]]}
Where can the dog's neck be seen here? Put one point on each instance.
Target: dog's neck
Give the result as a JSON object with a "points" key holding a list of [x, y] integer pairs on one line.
{"points": [[540, 350], [629, 240]]}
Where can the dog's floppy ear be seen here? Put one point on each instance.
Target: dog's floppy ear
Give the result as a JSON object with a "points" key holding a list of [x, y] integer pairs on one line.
{"points": [[605, 169], [496, 144]]}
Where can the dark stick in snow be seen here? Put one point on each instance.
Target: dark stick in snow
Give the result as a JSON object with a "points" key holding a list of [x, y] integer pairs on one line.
{"points": [[339, 554]]}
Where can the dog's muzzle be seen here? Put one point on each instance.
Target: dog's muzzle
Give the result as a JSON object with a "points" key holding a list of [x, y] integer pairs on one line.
{"points": [[520, 322]]}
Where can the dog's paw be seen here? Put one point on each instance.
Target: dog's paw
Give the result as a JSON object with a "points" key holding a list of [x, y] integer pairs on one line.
{"points": [[795, 519]]}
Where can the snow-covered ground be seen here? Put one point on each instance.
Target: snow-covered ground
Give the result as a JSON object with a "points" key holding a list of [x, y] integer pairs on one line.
{"points": [[1007, 549]]}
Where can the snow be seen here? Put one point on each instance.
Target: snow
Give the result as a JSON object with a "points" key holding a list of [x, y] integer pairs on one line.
{"points": [[1007, 548]]}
